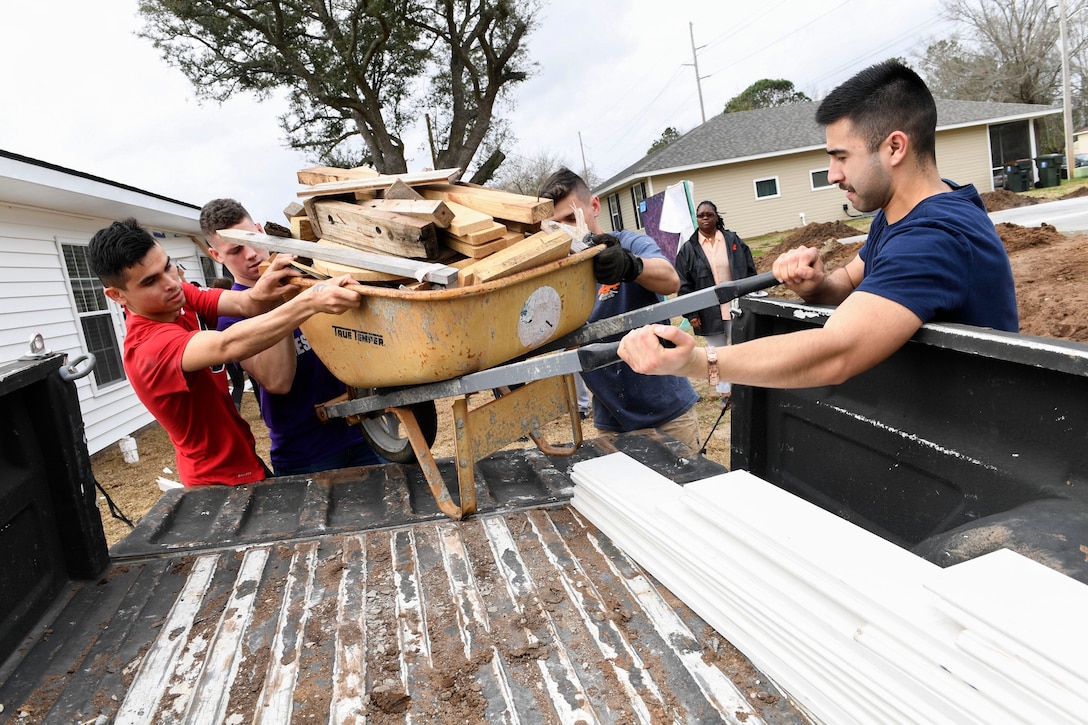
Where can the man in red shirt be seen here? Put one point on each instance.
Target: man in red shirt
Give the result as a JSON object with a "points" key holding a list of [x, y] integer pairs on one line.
{"points": [[175, 358]]}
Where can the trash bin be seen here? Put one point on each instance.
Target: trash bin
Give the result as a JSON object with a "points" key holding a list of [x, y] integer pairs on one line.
{"points": [[1050, 166], [1018, 175]]}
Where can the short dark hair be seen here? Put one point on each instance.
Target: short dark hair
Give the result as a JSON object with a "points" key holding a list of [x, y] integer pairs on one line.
{"points": [[563, 182], [223, 283], [221, 214], [883, 98], [116, 248]]}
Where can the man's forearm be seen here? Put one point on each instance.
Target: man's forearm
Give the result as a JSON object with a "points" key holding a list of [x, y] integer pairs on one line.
{"points": [[659, 276], [836, 287]]}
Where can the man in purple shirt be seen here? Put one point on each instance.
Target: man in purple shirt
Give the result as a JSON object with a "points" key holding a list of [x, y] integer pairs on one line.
{"points": [[290, 377]]}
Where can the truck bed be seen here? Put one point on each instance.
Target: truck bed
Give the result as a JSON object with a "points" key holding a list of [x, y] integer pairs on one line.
{"points": [[524, 613]]}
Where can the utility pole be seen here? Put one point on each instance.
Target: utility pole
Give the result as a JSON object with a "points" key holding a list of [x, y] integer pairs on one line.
{"points": [[585, 170], [1067, 103], [695, 62]]}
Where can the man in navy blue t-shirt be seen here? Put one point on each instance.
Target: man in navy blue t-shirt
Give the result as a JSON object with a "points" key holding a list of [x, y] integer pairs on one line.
{"points": [[932, 253]]}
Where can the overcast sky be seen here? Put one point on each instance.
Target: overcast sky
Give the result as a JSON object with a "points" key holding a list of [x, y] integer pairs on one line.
{"points": [[81, 90]]}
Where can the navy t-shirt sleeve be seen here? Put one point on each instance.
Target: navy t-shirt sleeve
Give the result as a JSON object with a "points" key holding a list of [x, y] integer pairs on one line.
{"points": [[922, 267]]}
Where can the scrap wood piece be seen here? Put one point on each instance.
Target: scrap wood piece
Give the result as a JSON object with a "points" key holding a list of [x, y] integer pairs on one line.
{"points": [[302, 228], [399, 190], [416, 269], [516, 226], [538, 249], [499, 204], [374, 230], [325, 174], [376, 183], [479, 251], [294, 209], [467, 220], [276, 230], [487, 234], [334, 269], [434, 211]]}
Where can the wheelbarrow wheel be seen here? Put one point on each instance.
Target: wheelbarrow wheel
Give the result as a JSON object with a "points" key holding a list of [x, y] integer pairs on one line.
{"points": [[390, 441]]}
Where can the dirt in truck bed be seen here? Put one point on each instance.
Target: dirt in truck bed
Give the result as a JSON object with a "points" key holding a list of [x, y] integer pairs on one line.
{"points": [[511, 616]]}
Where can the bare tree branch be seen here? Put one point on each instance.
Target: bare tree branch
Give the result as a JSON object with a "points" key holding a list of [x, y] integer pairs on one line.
{"points": [[356, 69]]}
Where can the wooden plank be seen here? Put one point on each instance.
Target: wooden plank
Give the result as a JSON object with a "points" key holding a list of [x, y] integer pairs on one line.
{"points": [[373, 230], [416, 269], [349, 186], [479, 251], [293, 210], [528, 253], [325, 174], [488, 234], [399, 190], [516, 226], [466, 220], [434, 211], [367, 276], [302, 228], [499, 204]]}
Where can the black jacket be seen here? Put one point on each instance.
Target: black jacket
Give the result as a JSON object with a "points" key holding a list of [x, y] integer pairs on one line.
{"points": [[695, 274]]}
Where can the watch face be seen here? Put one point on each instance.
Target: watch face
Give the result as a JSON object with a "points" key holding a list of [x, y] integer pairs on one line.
{"points": [[539, 317]]}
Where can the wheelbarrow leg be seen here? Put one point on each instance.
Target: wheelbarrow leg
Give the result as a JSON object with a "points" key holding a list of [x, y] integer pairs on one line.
{"points": [[494, 425], [571, 398], [430, 469]]}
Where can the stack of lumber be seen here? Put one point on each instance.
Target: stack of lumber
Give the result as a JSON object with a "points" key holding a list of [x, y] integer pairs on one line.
{"points": [[849, 626], [486, 233]]}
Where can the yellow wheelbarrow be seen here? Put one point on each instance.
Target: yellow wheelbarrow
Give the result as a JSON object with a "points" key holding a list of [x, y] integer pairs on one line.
{"points": [[403, 338]]}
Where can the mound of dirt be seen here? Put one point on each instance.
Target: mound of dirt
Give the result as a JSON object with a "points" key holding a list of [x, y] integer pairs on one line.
{"points": [[812, 235], [1016, 237], [1078, 192], [1001, 199], [824, 236]]}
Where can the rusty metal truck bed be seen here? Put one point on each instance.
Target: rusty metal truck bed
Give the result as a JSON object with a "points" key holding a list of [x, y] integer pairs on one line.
{"points": [[524, 613]]}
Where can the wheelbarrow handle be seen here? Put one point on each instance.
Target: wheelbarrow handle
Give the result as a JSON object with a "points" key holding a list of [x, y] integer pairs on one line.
{"points": [[308, 282], [661, 311]]}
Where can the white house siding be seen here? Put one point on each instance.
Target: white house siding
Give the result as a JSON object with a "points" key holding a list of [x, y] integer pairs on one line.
{"points": [[35, 297]]}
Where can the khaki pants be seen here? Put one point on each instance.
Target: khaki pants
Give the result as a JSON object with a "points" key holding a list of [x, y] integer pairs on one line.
{"points": [[684, 428]]}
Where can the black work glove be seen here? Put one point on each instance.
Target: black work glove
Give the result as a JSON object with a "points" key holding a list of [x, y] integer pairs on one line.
{"points": [[614, 263]]}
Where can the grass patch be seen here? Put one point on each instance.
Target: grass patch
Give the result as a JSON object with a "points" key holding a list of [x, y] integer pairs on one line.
{"points": [[1056, 192]]}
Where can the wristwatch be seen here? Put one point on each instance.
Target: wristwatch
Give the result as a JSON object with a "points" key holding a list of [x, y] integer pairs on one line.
{"points": [[712, 364]]}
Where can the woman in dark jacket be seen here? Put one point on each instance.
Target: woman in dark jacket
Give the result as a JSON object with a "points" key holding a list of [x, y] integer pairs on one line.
{"points": [[712, 255]]}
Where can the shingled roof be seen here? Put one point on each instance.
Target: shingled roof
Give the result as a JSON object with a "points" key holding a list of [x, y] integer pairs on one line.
{"points": [[732, 137]]}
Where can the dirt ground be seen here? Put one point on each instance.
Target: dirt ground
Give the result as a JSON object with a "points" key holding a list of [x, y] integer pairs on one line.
{"points": [[1049, 268]]}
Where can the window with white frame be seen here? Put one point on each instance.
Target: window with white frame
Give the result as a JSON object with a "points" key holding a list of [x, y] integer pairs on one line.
{"points": [[638, 195], [818, 179], [96, 317], [767, 188], [614, 212]]}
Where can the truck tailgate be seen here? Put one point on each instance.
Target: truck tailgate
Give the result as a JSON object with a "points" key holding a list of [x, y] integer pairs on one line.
{"points": [[518, 615]]}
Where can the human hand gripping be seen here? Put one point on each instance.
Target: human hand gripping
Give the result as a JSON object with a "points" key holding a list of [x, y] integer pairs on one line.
{"points": [[272, 285], [614, 263], [332, 295], [643, 351], [800, 269]]}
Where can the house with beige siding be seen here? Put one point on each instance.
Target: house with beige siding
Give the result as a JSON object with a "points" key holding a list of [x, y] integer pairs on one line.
{"points": [[766, 170], [48, 214]]}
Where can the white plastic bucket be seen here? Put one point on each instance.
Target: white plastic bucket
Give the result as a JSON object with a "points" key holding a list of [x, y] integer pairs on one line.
{"points": [[128, 449]]}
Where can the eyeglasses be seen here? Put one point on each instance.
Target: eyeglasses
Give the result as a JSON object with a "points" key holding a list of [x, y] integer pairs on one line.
{"points": [[706, 214]]}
